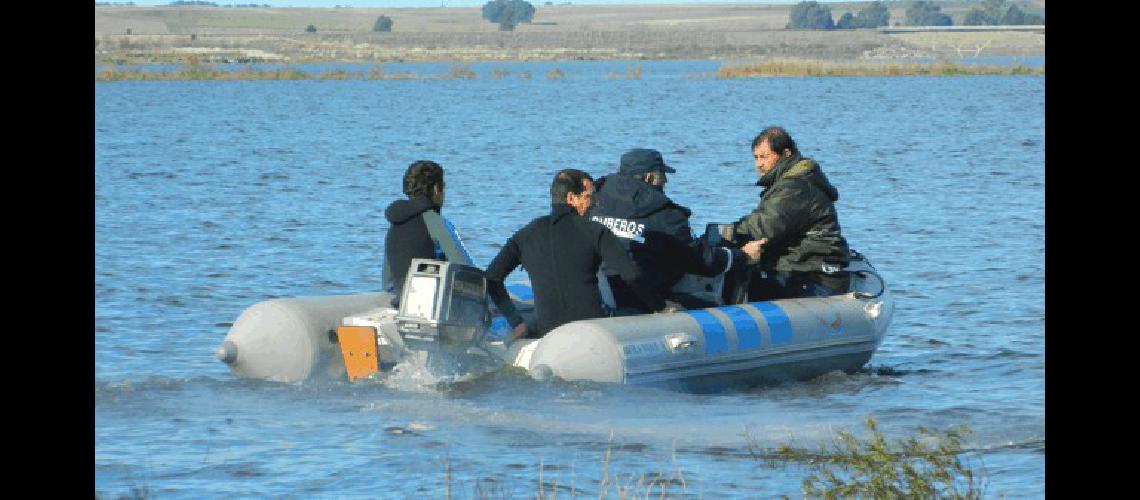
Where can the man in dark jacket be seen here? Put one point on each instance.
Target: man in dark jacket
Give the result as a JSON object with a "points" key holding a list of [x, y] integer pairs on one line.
{"points": [[798, 242], [408, 236], [655, 231], [561, 253]]}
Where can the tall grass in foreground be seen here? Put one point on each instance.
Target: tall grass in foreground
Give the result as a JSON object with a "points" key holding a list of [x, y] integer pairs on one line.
{"points": [[622, 485], [926, 465], [812, 67]]}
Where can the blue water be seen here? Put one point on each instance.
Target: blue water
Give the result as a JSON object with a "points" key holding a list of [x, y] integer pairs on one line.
{"points": [[213, 196]]}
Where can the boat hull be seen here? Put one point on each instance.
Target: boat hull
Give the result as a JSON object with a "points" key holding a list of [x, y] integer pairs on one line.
{"points": [[709, 349], [292, 340]]}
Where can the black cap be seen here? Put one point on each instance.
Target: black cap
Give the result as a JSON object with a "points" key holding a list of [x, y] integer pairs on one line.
{"points": [[639, 161]]}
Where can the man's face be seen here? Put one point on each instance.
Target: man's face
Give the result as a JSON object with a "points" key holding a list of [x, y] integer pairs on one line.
{"points": [[581, 202], [657, 179], [765, 157], [437, 194]]}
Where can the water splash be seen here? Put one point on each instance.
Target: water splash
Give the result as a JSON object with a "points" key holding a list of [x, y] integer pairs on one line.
{"points": [[412, 374]]}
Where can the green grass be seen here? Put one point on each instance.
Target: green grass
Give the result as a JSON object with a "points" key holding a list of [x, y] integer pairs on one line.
{"points": [[925, 465], [809, 67], [197, 71]]}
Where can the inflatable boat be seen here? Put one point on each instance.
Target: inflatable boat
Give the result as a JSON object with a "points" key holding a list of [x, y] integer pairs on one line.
{"points": [[444, 315]]}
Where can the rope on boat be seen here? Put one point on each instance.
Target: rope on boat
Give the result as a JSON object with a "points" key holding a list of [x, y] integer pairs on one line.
{"points": [[862, 273]]}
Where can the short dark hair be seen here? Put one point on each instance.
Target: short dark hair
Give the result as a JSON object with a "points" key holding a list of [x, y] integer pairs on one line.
{"points": [[778, 140], [570, 180], [421, 179]]}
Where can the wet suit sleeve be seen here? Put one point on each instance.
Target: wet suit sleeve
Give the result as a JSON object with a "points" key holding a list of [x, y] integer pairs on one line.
{"points": [[506, 261], [694, 256], [691, 254], [616, 258]]}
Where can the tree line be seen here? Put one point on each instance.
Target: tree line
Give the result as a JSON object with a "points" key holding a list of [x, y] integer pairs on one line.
{"points": [[506, 13], [815, 16], [200, 3]]}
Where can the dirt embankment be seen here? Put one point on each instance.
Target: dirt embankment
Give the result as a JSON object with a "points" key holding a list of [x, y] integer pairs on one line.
{"points": [[134, 35]]}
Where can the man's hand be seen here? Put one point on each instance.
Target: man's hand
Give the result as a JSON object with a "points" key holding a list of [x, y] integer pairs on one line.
{"points": [[671, 307], [728, 232], [753, 249], [518, 333]]}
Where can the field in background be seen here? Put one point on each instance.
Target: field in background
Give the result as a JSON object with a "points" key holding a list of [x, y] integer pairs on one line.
{"points": [[138, 35]]}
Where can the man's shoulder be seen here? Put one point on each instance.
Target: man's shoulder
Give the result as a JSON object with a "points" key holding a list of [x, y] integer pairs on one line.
{"points": [[403, 210], [590, 226], [534, 224], [802, 168]]}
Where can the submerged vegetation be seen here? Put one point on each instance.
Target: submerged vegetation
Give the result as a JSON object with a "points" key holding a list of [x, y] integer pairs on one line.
{"points": [[197, 71], [926, 465], [811, 67]]}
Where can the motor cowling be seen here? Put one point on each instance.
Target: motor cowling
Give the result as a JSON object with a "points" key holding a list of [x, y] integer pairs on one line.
{"points": [[443, 306]]}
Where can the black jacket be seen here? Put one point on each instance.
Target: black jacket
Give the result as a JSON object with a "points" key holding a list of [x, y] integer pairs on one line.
{"points": [[654, 229], [407, 239], [561, 253], [797, 215]]}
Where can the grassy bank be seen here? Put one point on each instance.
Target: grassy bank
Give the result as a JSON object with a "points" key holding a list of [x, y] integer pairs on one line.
{"points": [[808, 67], [773, 68], [196, 71]]}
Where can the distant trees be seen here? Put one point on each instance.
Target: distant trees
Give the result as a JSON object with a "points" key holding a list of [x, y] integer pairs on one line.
{"points": [[846, 22], [927, 14], [508, 13], [810, 16], [194, 3], [383, 23], [1000, 12], [310, 29], [872, 16]]}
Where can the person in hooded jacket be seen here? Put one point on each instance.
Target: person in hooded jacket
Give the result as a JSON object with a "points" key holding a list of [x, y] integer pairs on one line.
{"points": [[561, 253], [408, 236], [655, 230], [798, 244]]}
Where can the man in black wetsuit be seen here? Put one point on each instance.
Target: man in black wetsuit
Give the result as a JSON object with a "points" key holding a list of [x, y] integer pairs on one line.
{"points": [[408, 236], [561, 253]]}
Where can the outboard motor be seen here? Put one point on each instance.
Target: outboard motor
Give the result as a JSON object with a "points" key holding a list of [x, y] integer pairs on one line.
{"points": [[443, 311]]}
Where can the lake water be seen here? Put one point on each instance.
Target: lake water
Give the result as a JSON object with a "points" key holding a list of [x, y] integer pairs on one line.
{"points": [[213, 196]]}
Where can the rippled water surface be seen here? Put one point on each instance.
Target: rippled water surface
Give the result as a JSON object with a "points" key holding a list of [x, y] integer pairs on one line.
{"points": [[212, 196]]}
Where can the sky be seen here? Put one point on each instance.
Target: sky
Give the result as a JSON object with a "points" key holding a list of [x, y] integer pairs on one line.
{"points": [[438, 3]]}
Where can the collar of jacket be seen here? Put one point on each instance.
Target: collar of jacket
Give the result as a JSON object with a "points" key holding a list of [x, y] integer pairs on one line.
{"points": [[559, 210], [777, 172], [633, 196], [402, 211]]}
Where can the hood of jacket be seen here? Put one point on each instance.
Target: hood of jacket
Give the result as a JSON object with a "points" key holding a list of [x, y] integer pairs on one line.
{"points": [[401, 211], [630, 195], [797, 166], [560, 210]]}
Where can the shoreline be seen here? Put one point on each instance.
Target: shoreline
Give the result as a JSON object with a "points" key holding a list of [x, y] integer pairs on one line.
{"points": [[785, 67]]}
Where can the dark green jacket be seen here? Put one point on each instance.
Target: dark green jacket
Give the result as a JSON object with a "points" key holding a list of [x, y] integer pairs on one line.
{"points": [[797, 215]]}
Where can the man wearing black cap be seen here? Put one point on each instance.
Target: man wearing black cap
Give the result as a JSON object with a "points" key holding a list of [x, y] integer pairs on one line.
{"points": [[655, 230]]}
